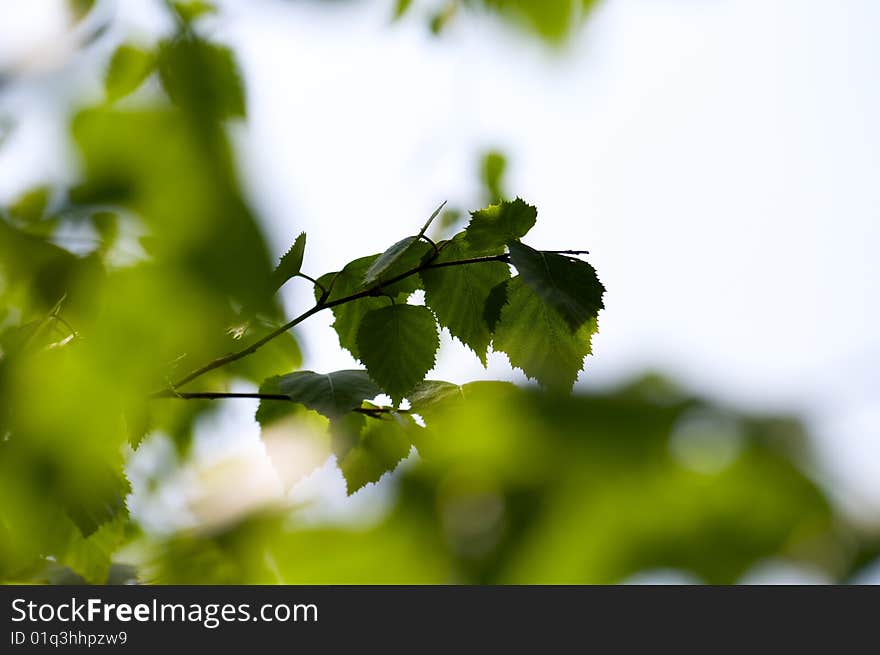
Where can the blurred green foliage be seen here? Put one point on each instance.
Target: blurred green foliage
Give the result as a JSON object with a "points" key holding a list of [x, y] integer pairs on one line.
{"points": [[551, 21], [518, 486]]}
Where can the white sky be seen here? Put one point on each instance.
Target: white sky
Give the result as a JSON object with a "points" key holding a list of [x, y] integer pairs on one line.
{"points": [[720, 159]]}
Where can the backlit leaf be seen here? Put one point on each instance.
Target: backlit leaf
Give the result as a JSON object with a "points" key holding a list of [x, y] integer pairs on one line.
{"points": [[397, 344], [490, 229], [458, 295], [537, 339], [129, 67], [383, 443]]}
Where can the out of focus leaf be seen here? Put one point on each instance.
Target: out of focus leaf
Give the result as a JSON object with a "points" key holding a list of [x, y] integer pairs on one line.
{"points": [[400, 8], [278, 355], [106, 224], [397, 344], [202, 78], [182, 187], [443, 16], [382, 445], [31, 205], [80, 8], [91, 557], [551, 20], [492, 167], [191, 10], [129, 67]]}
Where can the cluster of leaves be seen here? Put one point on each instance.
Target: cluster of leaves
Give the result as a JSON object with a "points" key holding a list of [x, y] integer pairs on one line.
{"points": [[543, 318], [113, 288], [152, 273]]}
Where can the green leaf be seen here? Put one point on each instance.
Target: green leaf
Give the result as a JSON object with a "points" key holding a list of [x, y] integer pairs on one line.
{"points": [[458, 294], [567, 284], [103, 500], [80, 8], [400, 8], [397, 344], [388, 258], [291, 262], [430, 393], [202, 78], [492, 167], [383, 444], [404, 255], [129, 67], [91, 557], [331, 394], [277, 356], [494, 304], [349, 315], [490, 229], [193, 9], [31, 205], [538, 340]]}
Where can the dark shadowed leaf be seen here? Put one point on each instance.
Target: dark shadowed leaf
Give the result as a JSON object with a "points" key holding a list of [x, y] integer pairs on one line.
{"points": [[567, 284], [202, 78], [331, 394], [495, 301]]}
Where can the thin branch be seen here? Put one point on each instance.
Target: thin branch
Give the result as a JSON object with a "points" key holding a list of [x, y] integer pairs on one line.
{"points": [[433, 245], [322, 304], [256, 345], [216, 395], [374, 412]]}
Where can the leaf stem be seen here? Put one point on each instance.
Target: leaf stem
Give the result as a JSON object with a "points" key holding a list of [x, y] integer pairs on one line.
{"points": [[313, 281]]}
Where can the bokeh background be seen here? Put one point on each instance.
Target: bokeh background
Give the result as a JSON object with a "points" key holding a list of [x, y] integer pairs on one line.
{"points": [[719, 159]]}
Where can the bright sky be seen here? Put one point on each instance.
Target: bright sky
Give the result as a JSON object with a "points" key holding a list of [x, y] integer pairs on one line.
{"points": [[719, 158]]}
